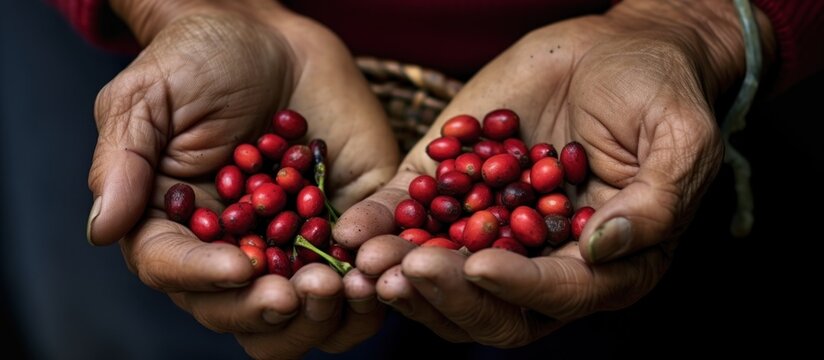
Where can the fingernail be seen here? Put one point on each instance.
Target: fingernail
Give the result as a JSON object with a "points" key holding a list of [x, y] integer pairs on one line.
{"points": [[231, 285], [363, 306], [484, 284], [400, 305], [609, 239], [93, 215], [273, 317], [426, 288], [320, 308]]}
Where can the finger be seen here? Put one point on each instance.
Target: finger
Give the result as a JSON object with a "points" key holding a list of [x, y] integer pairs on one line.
{"points": [[167, 256], [132, 116], [657, 203], [395, 290], [363, 316], [373, 216], [380, 253], [563, 285], [320, 290], [264, 306]]}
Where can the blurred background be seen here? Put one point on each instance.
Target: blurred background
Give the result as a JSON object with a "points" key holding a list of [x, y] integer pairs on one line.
{"points": [[64, 299]]}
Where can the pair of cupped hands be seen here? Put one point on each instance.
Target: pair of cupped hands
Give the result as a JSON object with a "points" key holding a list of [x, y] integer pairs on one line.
{"points": [[633, 90]]}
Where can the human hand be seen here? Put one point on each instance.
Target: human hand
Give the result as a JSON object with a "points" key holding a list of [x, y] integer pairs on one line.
{"points": [[211, 76], [636, 92]]}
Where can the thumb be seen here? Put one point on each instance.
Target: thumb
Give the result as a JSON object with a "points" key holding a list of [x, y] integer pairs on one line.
{"points": [[133, 126]]}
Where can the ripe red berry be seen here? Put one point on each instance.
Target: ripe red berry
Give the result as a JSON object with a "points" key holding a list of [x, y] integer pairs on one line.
{"points": [[478, 198], [558, 227], [470, 164], [298, 157], [295, 261], [338, 252], [480, 231], [456, 230], [501, 124], [574, 160], [517, 148], [579, 220], [256, 180], [501, 213], [238, 218], [444, 148], [546, 175], [277, 262], [230, 183], [505, 231], [290, 124], [423, 189], [247, 198], [454, 183], [268, 199], [488, 148], [444, 167], [554, 204], [256, 257], [445, 209], [432, 225], [526, 176], [289, 179], [540, 151], [248, 158], [205, 224], [283, 228], [410, 214], [500, 170], [310, 201], [319, 151], [317, 231], [528, 226], [509, 244], [252, 240], [441, 242], [465, 128], [272, 146], [415, 236], [517, 194], [179, 202]]}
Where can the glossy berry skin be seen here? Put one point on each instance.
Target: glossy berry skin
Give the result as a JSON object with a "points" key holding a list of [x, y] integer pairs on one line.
{"points": [[238, 218], [272, 146], [309, 201], [410, 214], [444, 148], [517, 148], [546, 175], [445, 209], [230, 183], [317, 231], [509, 244], [528, 226], [454, 183], [283, 228], [554, 204], [423, 189], [575, 163], [256, 180], [338, 252], [268, 199], [298, 157], [415, 236], [480, 197], [256, 257], [289, 124], [289, 179], [505, 231], [179, 202], [500, 170], [470, 164], [442, 243], [295, 260], [488, 148], [579, 220], [319, 151], [501, 213], [432, 225], [480, 231], [444, 167], [559, 228], [456, 230], [465, 128], [540, 151], [501, 124], [526, 176], [252, 240], [205, 224], [517, 194], [248, 158], [277, 262]]}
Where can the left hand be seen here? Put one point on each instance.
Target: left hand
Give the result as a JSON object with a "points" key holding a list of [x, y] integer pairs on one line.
{"points": [[636, 94]]}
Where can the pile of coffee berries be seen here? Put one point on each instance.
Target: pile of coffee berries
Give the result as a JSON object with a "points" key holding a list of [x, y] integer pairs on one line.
{"points": [[490, 190], [276, 207]]}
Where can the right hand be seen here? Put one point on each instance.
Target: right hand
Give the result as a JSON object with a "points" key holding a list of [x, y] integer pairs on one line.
{"points": [[210, 78]]}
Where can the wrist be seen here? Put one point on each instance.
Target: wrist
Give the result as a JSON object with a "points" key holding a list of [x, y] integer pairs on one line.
{"points": [[709, 31]]}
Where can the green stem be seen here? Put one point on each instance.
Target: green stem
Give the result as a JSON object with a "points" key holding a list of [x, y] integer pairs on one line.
{"points": [[320, 179], [342, 267]]}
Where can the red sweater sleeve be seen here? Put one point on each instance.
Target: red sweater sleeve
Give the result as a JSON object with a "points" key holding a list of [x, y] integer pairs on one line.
{"points": [[799, 31], [97, 23]]}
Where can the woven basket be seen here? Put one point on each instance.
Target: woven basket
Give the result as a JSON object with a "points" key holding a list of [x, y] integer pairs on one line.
{"points": [[413, 96]]}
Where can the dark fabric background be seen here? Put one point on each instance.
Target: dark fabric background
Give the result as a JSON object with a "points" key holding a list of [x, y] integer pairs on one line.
{"points": [[63, 299]]}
